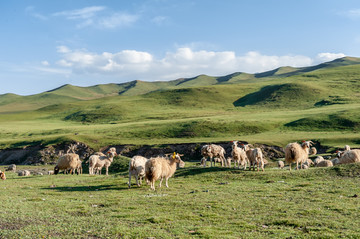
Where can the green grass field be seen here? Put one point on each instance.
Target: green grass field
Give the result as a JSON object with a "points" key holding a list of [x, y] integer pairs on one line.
{"points": [[200, 203]]}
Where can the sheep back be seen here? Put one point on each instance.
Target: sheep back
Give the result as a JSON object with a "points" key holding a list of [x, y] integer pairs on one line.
{"points": [[67, 161], [350, 156], [325, 163]]}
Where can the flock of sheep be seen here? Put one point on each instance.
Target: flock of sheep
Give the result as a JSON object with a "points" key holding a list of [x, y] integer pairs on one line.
{"points": [[164, 167]]}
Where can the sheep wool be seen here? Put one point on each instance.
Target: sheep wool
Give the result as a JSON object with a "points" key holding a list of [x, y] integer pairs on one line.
{"points": [[238, 155], [325, 163], [160, 168], [211, 151], [350, 156], [67, 162], [137, 168], [296, 153]]}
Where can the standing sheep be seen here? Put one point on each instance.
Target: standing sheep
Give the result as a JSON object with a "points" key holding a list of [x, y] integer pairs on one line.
{"points": [[137, 168], [67, 162], [97, 161], [255, 156], [160, 168], [211, 151], [238, 155], [296, 153], [350, 156]]}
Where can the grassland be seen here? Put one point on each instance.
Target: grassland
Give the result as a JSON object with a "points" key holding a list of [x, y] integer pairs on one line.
{"points": [[319, 103], [200, 203]]}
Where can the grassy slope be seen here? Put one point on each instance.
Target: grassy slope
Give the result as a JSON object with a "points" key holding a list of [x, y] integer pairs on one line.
{"points": [[320, 105], [206, 203]]}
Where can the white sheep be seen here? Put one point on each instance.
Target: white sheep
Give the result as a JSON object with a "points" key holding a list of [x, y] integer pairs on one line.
{"points": [[67, 162], [211, 151], [318, 159], [98, 161], [347, 147], [350, 156], [160, 168], [324, 163], [137, 168], [255, 156], [281, 164], [296, 153], [24, 173], [238, 155], [312, 151]]}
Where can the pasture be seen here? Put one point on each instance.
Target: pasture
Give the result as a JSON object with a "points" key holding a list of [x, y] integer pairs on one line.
{"points": [[200, 202]]}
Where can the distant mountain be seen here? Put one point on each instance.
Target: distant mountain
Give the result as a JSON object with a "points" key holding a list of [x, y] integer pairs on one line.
{"points": [[69, 93]]}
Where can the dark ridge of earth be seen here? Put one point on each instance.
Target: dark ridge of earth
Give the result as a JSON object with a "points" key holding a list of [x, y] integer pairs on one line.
{"points": [[49, 155]]}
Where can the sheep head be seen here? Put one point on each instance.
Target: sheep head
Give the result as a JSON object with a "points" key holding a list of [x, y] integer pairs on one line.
{"points": [[306, 144], [177, 158], [56, 170]]}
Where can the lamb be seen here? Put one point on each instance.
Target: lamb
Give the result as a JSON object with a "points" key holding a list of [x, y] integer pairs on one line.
{"points": [[98, 161], [160, 168], [313, 151], [2, 175], [350, 156], [238, 155], [325, 163], [211, 151], [24, 173], [255, 156], [318, 159], [281, 164], [67, 162], [137, 168], [296, 153], [11, 167]]}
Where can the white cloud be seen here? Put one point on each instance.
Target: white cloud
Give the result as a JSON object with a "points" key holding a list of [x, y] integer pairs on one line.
{"points": [[160, 20], [184, 62], [99, 17], [45, 63], [31, 11], [326, 56], [353, 13], [83, 13]]}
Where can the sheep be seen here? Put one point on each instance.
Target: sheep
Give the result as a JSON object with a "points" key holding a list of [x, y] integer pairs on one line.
{"points": [[2, 175], [281, 164], [137, 168], [97, 161], [318, 159], [79, 169], [24, 173], [303, 166], [255, 156], [238, 155], [295, 152], [313, 151], [66, 162], [325, 163], [335, 161], [347, 147], [160, 168], [211, 151], [350, 156], [11, 167], [51, 172]]}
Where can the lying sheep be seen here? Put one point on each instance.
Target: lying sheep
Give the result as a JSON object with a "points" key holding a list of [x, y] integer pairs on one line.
{"points": [[2, 175], [97, 161], [335, 161], [11, 167], [318, 159], [24, 173], [296, 153], [281, 164], [350, 156], [137, 168], [67, 162], [324, 163], [312, 151], [160, 168]]}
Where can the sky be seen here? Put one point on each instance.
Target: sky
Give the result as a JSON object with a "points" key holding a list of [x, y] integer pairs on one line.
{"points": [[45, 44]]}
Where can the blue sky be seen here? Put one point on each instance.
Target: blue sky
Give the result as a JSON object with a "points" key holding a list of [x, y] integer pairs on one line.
{"points": [[45, 44]]}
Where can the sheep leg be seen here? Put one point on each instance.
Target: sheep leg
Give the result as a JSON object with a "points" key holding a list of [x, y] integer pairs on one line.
{"points": [[245, 165], [204, 162], [166, 182], [107, 171], [257, 165], [129, 183], [137, 181], [160, 182]]}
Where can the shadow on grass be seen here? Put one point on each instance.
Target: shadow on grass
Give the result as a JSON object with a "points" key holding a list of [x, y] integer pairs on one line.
{"points": [[183, 172], [87, 188]]}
